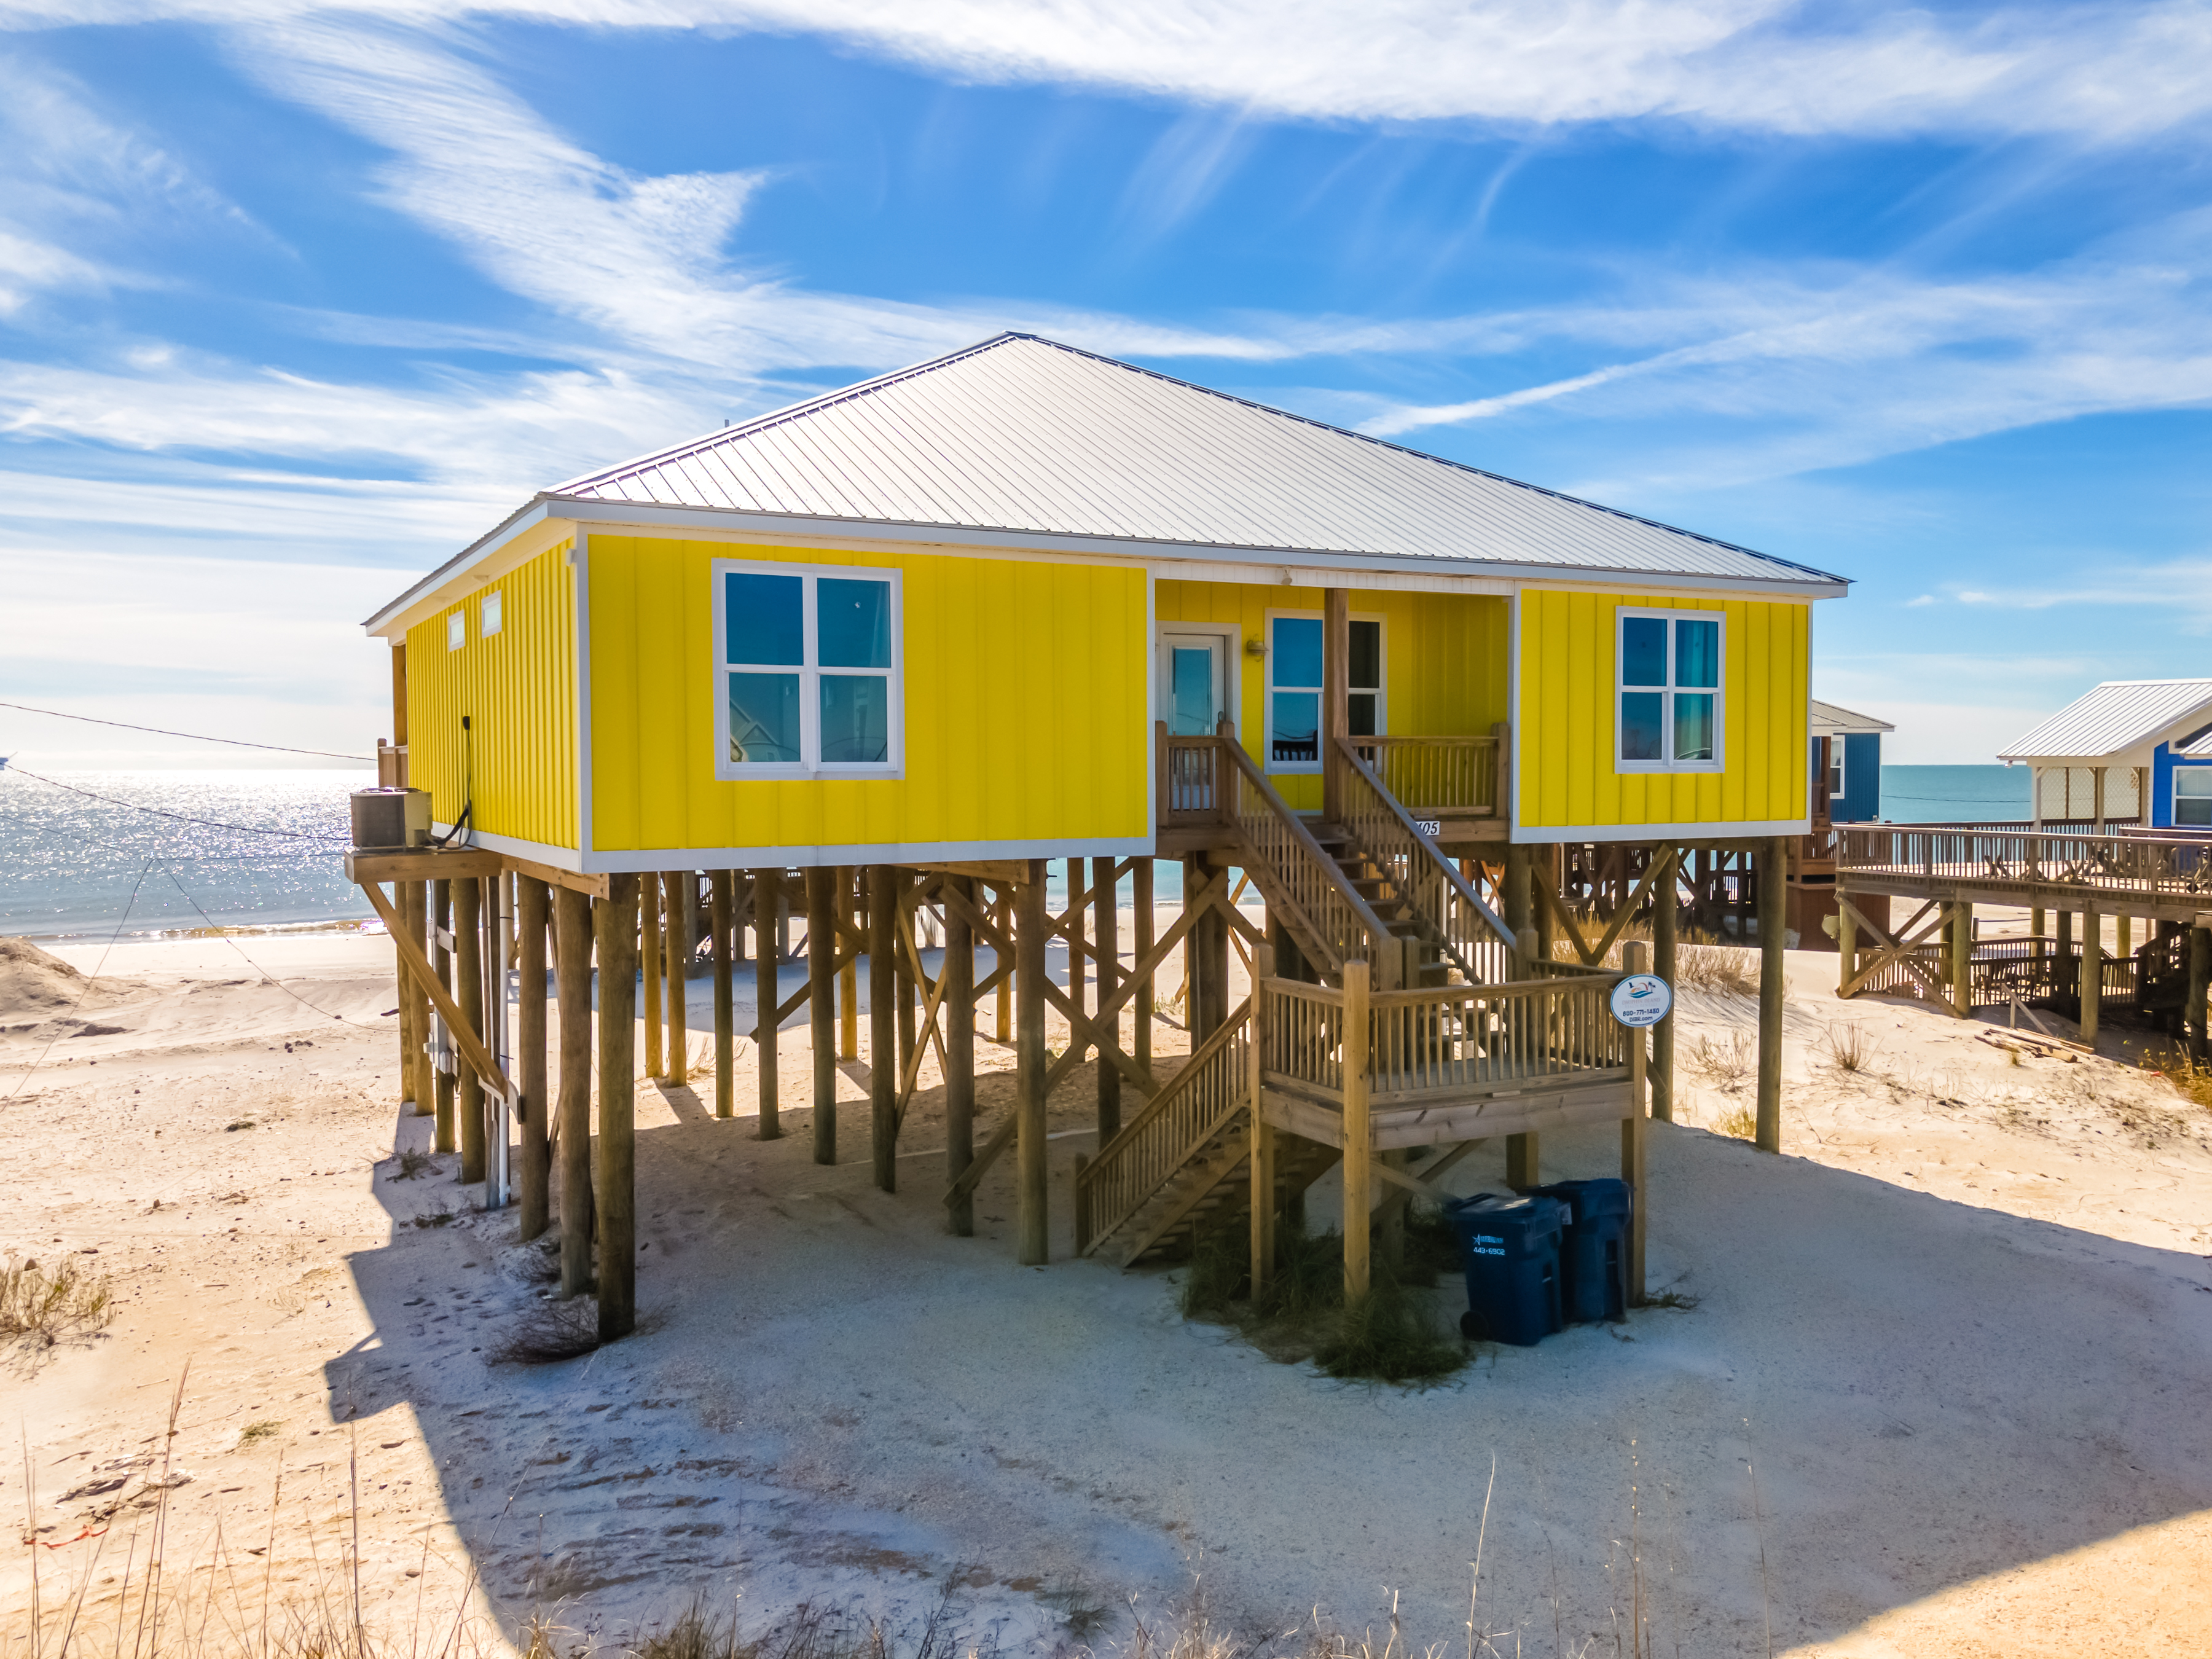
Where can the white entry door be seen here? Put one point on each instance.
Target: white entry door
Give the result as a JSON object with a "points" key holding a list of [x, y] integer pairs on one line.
{"points": [[1194, 690]]}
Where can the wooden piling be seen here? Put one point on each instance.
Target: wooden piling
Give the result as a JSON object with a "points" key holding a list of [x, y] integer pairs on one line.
{"points": [[415, 1005], [768, 909], [1633, 1136], [1140, 881], [1105, 924], [1358, 1134], [960, 1009], [1962, 960], [2092, 967], [532, 902], [1773, 900], [721, 916], [905, 987], [884, 1069], [572, 922], [682, 887], [1517, 895], [1206, 956], [1033, 1246], [821, 1011], [1666, 963], [441, 919], [1002, 1012], [648, 893], [1260, 1158], [616, 1185], [2200, 971], [468, 969], [1847, 946], [853, 905]]}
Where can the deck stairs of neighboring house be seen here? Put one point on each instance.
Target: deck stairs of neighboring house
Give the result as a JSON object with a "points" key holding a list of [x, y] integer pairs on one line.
{"points": [[1370, 886]]}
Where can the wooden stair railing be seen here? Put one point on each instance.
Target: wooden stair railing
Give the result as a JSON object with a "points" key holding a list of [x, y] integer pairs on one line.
{"points": [[1446, 910], [1305, 888], [1190, 1109]]}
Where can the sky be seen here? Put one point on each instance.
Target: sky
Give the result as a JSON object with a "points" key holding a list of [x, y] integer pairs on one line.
{"points": [[295, 303]]}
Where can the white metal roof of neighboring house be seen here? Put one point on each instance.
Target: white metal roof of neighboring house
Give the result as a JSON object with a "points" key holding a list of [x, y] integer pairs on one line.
{"points": [[1829, 720], [2118, 723]]}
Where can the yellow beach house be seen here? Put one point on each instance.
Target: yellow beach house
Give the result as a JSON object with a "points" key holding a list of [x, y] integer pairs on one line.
{"points": [[901, 644]]}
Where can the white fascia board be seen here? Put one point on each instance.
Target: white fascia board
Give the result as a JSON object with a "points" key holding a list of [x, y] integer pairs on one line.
{"points": [[486, 559], [1640, 834]]}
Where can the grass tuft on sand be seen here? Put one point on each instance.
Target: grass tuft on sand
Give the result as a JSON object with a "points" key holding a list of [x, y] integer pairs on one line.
{"points": [[549, 1334], [50, 1303]]}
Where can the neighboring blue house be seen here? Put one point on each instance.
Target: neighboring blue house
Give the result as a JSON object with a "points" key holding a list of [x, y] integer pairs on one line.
{"points": [[1854, 746], [2129, 751]]}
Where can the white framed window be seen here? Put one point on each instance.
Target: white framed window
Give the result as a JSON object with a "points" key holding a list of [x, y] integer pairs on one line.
{"points": [[1294, 687], [1669, 706], [2192, 797], [809, 671], [1836, 791], [489, 625], [457, 631]]}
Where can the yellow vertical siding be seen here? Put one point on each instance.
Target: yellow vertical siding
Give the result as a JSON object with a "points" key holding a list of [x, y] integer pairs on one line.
{"points": [[519, 690], [1025, 702], [1445, 658], [1565, 744]]}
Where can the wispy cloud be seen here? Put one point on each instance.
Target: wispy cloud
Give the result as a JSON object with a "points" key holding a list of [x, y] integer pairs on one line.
{"points": [[2106, 72]]}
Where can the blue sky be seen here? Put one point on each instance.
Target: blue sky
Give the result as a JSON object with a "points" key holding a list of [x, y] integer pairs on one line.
{"points": [[293, 303]]}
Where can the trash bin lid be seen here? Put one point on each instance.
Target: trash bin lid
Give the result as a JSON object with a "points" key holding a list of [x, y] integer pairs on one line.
{"points": [[1586, 1200], [1524, 1217]]}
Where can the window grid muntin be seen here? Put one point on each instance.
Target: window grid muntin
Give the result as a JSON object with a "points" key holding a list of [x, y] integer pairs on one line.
{"points": [[2199, 797], [1668, 694], [1377, 694], [810, 674]]}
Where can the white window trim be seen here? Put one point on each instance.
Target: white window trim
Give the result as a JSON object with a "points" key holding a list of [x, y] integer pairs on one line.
{"points": [[2173, 793], [461, 615], [1718, 693], [1303, 768], [810, 675], [1229, 637], [491, 614], [1839, 775]]}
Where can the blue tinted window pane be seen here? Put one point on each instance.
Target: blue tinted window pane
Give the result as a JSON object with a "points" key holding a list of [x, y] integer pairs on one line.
{"points": [[856, 719], [855, 622], [764, 718], [1298, 726], [1697, 653], [1693, 725], [2192, 797], [1194, 693], [766, 619], [1297, 657], [1643, 651], [1640, 729]]}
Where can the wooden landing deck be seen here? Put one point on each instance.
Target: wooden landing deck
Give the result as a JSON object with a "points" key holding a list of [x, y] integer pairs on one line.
{"points": [[2165, 875]]}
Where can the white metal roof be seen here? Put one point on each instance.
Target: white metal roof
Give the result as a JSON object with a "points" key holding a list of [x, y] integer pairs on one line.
{"points": [[2118, 722], [1828, 719], [1023, 435]]}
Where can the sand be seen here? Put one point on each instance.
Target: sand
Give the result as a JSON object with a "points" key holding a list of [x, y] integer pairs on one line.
{"points": [[1941, 1391]]}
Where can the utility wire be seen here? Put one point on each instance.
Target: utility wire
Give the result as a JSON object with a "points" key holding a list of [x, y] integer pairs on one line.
{"points": [[195, 737], [89, 984], [182, 818], [225, 937]]}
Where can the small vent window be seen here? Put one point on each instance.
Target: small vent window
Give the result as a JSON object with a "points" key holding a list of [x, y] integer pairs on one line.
{"points": [[491, 609], [457, 631]]}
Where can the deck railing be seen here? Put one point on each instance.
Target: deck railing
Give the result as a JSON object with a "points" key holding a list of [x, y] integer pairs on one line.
{"points": [[1427, 1047], [1437, 777], [1473, 935], [2029, 967], [1190, 779], [1330, 916], [1190, 1108], [2135, 865]]}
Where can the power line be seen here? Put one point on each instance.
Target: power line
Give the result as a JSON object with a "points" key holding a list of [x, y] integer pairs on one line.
{"points": [[195, 737], [181, 817], [23, 1081]]}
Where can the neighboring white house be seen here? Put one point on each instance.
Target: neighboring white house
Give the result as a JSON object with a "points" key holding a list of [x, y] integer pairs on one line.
{"points": [[2129, 752]]}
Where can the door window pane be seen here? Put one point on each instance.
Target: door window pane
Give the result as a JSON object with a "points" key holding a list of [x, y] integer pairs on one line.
{"points": [[1366, 663], [1643, 651], [1640, 724], [1296, 725], [1359, 713], [856, 719], [767, 620], [1191, 669], [764, 718], [1697, 653], [855, 623], [1693, 725], [1298, 651]]}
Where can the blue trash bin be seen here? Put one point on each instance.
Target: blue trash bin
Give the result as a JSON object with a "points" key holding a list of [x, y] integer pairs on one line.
{"points": [[1593, 1247], [1510, 1248]]}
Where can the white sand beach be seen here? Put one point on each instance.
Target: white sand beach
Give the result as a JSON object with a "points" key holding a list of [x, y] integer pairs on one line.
{"points": [[1941, 1392]]}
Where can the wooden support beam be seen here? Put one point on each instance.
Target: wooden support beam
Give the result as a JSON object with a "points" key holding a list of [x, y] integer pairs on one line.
{"points": [[882, 1078], [467, 1046], [821, 1006], [1259, 1153], [768, 907], [1140, 883], [958, 985], [1665, 963], [1773, 897], [1002, 1015], [1847, 943], [1033, 1246], [721, 918], [1962, 960], [572, 922], [1633, 1136], [2093, 957], [468, 972], [682, 887], [1899, 948], [414, 908], [1358, 1134], [1206, 958], [617, 1184], [648, 894], [1105, 927], [442, 925], [532, 905], [851, 901], [2200, 976], [906, 971]]}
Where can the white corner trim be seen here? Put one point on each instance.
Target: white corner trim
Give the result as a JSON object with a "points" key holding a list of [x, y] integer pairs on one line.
{"points": [[1743, 829]]}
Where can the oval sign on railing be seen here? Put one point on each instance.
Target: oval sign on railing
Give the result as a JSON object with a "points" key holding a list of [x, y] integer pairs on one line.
{"points": [[1641, 1000]]}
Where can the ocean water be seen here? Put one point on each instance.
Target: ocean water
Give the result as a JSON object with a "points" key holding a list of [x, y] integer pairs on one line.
{"points": [[136, 865], [1955, 794]]}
